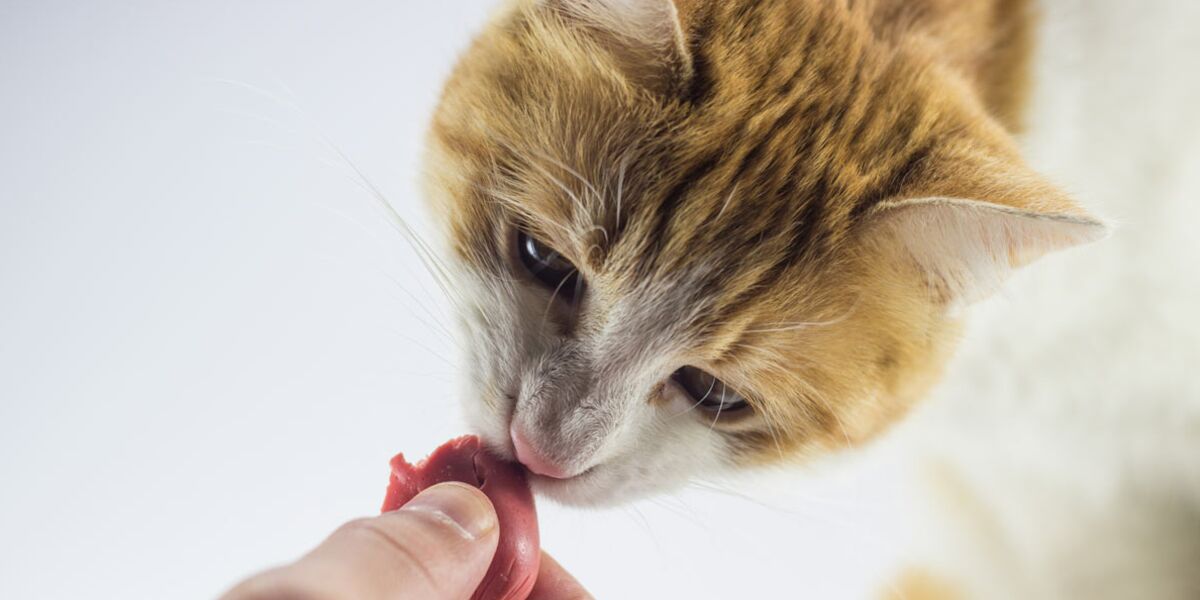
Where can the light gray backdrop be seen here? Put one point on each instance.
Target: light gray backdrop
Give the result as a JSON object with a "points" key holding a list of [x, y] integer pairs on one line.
{"points": [[211, 342]]}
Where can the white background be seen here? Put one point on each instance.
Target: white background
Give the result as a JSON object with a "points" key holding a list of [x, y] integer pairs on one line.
{"points": [[211, 342]]}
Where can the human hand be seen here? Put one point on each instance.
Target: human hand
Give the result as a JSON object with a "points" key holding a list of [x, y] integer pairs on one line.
{"points": [[436, 547]]}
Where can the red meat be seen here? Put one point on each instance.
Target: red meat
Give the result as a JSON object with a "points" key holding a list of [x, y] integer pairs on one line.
{"points": [[514, 569]]}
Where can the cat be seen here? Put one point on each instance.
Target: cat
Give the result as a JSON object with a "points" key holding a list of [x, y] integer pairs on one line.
{"points": [[1060, 456], [691, 236]]}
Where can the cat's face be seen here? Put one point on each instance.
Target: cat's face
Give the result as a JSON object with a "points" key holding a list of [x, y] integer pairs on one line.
{"points": [[678, 247]]}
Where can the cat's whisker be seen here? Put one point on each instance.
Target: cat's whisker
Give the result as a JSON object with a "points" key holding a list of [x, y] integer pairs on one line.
{"points": [[422, 252], [356, 176], [814, 393], [554, 296], [437, 319], [424, 347], [697, 404], [401, 225], [575, 198], [587, 184], [786, 327], [429, 259], [681, 510], [640, 517], [269, 95], [603, 231], [507, 201], [717, 417], [621, 187], [768, 421], [728, 200], [818, 515], [791, 327], [410, 235], [714, 488]]}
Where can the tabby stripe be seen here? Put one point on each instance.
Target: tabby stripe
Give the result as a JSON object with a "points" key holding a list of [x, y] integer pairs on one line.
{"points": [[665, 212], [894, 184], [805, 239]]}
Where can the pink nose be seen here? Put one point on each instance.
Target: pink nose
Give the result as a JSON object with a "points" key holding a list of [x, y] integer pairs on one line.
{"points": [[534, 460]]}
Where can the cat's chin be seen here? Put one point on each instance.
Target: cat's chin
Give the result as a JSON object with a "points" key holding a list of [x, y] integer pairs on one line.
{"points": [[583, 491], [602, 486], [599, 487]]}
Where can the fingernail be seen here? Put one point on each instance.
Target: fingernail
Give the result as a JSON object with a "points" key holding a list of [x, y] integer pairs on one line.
{"points": [[464, 508]]}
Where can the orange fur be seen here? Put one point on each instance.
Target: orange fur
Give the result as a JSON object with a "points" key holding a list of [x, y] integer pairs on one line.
{"points": [[742, 168], [920, 585]]}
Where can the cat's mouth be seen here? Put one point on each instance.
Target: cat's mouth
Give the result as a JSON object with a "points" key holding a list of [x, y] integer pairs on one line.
{"points": [[547, 479], [551, 481], [540, 468], [588, 488]]}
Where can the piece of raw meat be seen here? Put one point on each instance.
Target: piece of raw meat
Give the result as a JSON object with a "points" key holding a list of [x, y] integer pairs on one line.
{"points": [[515, 567]]}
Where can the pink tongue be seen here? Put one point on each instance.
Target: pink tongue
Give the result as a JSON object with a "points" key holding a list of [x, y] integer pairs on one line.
{"points": [[514, 569]]}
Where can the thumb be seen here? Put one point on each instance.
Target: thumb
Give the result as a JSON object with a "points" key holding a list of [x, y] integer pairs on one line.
{"points": [[436, 547]]}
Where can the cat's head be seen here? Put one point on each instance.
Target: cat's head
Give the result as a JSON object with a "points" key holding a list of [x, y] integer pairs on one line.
{"points": [[686, 238]]}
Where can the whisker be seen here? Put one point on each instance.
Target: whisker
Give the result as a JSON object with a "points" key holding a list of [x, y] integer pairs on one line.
{"points": [[728, 200], [621, 187], [816, 394], [710, 487], [640, 517], [785, 327], [422, 250], [768, 420], [501, 198], [424, 307], [550, 304], [595, 192], [679, 511], [721, 407], [700, 401], [424, 347]]}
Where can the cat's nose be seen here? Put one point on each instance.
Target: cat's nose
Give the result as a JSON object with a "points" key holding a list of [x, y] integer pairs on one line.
{"points": [[533, 460]]}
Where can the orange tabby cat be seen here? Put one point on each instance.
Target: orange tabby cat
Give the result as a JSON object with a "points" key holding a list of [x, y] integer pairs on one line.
{"points": [[701, 235]]}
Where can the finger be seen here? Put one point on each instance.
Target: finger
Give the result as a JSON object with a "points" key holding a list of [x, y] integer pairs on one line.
{"points": [[555, 583], [437, 547]]}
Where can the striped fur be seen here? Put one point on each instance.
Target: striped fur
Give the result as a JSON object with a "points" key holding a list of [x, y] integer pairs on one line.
{"points": [[724, 176]]}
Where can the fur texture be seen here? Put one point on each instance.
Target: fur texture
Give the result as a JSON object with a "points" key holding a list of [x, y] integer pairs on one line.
{"points": [[1059, 459], [795, 196]]}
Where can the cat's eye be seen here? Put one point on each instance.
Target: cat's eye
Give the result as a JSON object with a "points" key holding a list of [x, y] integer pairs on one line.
{"points": [[708, 392], [549, 267]]}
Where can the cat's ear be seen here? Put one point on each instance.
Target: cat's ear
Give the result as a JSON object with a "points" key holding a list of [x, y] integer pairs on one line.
{"points": [[648, 38], [967, 248]]}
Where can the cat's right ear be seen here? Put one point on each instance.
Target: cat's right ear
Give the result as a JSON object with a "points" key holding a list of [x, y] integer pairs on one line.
{"points": [[648, 38], [966, 248]]}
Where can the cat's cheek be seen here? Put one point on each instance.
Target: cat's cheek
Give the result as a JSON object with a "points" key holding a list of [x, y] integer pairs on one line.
{"points": [[485, 409], [489, 426]]}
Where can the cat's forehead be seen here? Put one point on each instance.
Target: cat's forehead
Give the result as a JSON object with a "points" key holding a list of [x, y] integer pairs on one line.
{"points": [[559, 134], [731, 197]]}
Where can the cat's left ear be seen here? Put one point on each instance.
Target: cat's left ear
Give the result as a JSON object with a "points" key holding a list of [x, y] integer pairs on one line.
{"points": [[647, 37], [967, 248]]}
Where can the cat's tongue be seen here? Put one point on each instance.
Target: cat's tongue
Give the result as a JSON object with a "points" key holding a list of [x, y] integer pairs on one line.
{"points": [[514, 569]]}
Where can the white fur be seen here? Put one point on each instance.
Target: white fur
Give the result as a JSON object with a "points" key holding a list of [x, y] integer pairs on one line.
{"points": [[1062, 457], [523, 372], [1059, 460]]}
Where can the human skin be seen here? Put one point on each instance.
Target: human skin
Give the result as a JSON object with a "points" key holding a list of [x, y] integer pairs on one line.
{"points": [[436, 547]]}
